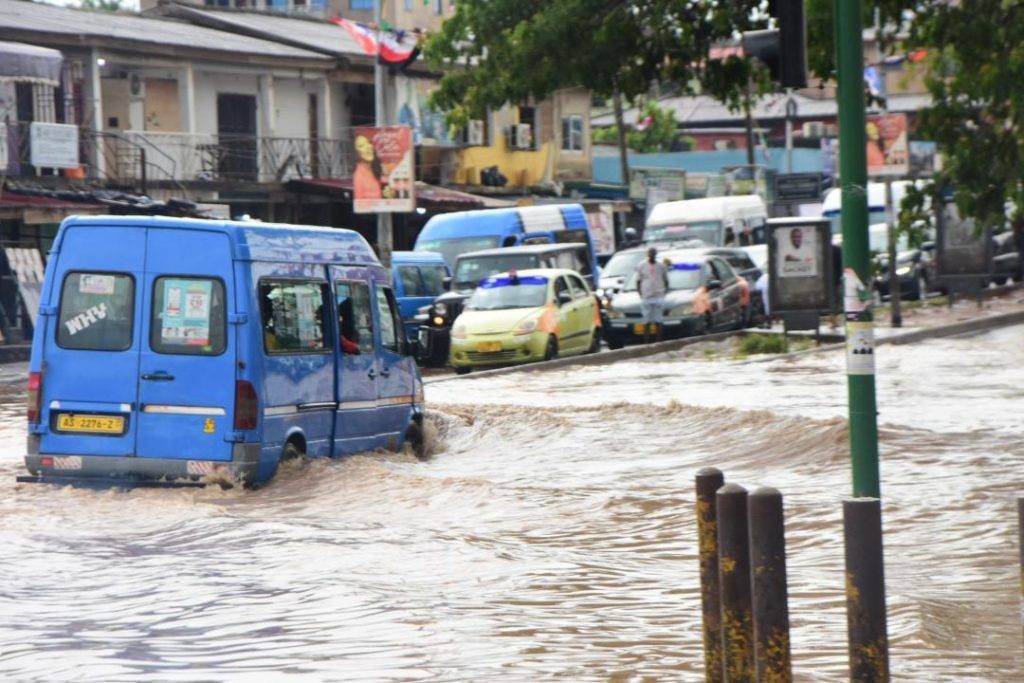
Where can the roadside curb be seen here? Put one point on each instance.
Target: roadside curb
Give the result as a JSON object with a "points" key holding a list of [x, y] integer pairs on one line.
{"points": [[602, 358]]}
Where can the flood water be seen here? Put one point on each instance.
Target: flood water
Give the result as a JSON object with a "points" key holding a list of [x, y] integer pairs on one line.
{"points": [[552, 535]]}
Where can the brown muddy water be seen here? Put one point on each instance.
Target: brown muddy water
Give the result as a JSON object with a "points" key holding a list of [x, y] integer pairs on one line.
{"points": [[551, 536]]}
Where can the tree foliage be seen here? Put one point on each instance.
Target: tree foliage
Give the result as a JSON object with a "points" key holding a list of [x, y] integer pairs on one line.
{"points": [[656, 131], [494, 52], [104, 5], [977, 110]]}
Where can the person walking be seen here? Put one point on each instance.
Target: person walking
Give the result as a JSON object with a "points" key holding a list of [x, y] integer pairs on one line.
{"points": [[652, 284]]}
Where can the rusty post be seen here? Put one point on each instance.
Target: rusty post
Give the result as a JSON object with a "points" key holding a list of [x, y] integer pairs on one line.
{"points": [[734, 582], [768, 584], [709, 480], [865, 591]]}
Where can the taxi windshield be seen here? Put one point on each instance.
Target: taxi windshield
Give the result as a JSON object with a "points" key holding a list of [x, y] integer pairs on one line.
{"points": [[471, 270], [680, 276], [500, 293]]}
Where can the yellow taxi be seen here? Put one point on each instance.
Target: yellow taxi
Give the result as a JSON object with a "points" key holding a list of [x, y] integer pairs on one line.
{"points": [[525, 316]]}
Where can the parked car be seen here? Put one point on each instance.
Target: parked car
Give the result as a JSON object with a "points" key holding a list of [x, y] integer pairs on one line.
{"points": [[435, 320], [705, 294], [915, 269], [1005, 258], [168, 350], [525, 316], [419, 278]]}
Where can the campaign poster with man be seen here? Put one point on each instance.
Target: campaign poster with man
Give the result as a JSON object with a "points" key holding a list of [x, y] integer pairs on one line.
{"points": [[797, 254]]}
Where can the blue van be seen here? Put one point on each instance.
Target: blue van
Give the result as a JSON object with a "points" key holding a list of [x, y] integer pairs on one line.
{"points": [[452, 234], [419, 277], [171, 350]]}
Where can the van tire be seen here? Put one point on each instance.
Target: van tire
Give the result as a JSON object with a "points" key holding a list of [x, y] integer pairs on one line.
{"points": [[551, 350], [292, 451], [416, 440]]}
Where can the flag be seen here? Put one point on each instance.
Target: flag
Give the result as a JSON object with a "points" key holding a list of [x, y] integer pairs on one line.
{"points": [[395, 48]]}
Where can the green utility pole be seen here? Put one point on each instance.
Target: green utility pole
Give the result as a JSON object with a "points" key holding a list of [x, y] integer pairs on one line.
{"points": [[860, 344]]}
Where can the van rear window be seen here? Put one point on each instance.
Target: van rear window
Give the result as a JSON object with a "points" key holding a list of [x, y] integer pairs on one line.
{"points": [[96, 312], [188, 316]]}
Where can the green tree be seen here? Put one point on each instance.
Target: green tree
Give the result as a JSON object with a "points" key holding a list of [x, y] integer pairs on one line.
{"points": [[977, 110], [656, 131], [104, 5], [494, 52]]}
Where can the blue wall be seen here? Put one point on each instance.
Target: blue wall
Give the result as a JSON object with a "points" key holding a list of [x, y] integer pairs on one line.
{"points": [[606, 168]]}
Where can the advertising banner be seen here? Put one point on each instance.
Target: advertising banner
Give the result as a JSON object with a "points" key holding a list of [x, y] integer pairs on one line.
{"points": [[964, 250], [800, 268], [888, 149], [383, 178], [670, 183]]}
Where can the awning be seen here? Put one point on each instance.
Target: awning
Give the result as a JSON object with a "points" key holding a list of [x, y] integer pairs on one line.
{"points": [[429, 197], [23, 63]]}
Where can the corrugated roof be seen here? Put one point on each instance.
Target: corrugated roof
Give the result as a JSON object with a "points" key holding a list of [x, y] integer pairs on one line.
{"points": [[309, 33], [703, 109], [24, 18]]}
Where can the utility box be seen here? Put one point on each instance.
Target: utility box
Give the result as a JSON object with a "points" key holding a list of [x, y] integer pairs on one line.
{"points": [[801, 270]]}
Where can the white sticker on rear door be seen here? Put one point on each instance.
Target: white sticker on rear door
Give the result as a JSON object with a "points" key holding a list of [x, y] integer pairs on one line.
{"points": [[92, 283]]}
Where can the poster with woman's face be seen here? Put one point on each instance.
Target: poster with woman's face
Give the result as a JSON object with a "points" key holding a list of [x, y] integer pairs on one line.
{"points": [[382, 181]]}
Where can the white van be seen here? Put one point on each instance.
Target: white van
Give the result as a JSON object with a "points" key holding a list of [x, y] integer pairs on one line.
{"points": [[713, 220]]}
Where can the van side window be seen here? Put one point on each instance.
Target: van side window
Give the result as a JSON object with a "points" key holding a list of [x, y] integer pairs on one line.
{"points": [[386, 313], [293, 316], [412, 284], [96, 312], [355, 317], [433, 280], [188, 316]]}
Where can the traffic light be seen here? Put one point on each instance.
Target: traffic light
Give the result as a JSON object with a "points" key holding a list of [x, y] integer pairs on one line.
{"points": [[783, 50]]}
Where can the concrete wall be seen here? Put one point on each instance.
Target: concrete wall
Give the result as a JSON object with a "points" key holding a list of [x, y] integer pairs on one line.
{"points": [[606, 163]]}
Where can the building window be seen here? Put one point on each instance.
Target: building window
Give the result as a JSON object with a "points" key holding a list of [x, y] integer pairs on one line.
{"points": [[408, 5], [361, 4], [572, 133]]}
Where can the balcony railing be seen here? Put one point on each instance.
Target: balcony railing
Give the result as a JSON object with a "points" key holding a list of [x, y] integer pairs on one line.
{"points": [[136, 158]]}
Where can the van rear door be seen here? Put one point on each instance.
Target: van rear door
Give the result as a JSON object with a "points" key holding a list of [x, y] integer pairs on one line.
{"points": [[91, 345], [187, 360]]}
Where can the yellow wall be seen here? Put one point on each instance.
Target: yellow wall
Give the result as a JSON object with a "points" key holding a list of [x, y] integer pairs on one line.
{"points": [[522, 167]]}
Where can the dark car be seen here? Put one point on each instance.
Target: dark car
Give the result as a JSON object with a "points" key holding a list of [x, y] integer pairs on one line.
{"points": [[916, 270], [435, 320], [1005, 258], [704, 294]]}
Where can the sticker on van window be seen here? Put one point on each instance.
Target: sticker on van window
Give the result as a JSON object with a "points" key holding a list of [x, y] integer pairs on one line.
{"points": [[186, 313], [86, 318], [93, 283]]}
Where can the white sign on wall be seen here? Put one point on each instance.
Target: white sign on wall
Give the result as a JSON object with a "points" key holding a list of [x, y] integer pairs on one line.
{"points": [[54, 145]]}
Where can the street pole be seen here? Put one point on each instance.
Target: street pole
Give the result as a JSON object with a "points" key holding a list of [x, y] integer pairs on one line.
{"points": [[895, 309], [385, 237], [860, 359]]}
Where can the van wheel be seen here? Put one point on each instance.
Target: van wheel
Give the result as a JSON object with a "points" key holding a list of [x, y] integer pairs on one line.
{"points": [[292, 451], [551, 350], [595, 341], [414, 437]]}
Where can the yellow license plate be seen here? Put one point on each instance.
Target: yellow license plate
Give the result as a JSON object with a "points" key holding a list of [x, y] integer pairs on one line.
{"points": [[638, 328], [489, 347], [90, 424]]}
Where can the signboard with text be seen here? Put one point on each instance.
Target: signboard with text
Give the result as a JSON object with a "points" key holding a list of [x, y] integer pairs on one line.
{"points": [[53, 145], [798, 188], [670, 183], [383, 178]]}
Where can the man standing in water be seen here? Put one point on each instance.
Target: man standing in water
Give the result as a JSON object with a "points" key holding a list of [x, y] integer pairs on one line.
{"points": [[652, 283]]}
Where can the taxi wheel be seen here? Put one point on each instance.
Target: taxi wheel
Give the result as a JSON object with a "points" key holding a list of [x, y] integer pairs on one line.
{"points": [[551, 350], [595, 341], [463, 371]]}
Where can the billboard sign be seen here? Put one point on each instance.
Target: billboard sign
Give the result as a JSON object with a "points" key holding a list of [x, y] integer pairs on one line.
{"points": [[798, 188], [670, 183], [800, 268], [888, 149], [383, 179]]}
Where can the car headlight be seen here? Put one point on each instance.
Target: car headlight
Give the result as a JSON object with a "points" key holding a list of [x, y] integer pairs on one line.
{"points": [[615, 313], [903, 270], [525, 327], [459, 332], [680, 311]]}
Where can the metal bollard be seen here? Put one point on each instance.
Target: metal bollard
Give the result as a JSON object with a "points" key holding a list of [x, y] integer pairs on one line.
{"points": [[709, 480], [1020, 549], [768, 583], [865, 591], [734, 582]]}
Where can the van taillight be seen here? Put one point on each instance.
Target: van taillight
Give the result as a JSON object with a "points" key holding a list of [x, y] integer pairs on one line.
{"points": [[35, 395], [246, 405]]}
